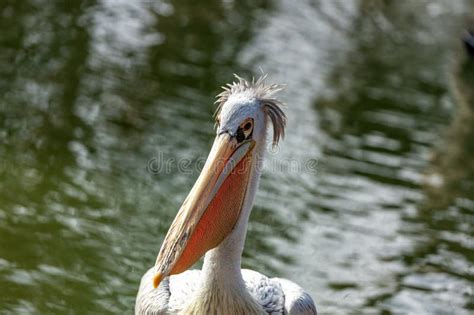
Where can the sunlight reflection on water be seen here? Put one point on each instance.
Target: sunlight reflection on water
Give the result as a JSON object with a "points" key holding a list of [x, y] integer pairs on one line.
{"points": [[376, 97]]}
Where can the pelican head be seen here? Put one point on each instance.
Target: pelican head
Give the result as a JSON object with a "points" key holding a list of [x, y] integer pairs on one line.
{"points": [[214, 205]]}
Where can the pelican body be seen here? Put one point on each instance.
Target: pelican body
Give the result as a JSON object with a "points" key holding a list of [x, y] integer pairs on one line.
{"points": [[213, 222]]}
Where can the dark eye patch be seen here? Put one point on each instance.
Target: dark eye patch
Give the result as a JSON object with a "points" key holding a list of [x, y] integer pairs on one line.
{"points": [[240, 136]]}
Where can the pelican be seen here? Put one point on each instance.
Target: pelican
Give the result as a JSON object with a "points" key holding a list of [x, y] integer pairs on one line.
{"points": [[213, 221]]}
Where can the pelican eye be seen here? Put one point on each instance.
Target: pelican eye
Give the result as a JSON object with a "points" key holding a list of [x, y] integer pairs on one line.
{"points": [[245, 130]]}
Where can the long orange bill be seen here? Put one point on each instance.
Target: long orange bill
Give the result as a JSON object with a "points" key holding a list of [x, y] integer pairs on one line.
{"points": [[211, 209]]}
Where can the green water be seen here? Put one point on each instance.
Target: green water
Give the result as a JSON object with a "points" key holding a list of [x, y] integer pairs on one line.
{"points": [[368, 203]]}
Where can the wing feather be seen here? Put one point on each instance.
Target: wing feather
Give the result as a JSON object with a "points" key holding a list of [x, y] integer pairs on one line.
{"points": [[297, 301]]}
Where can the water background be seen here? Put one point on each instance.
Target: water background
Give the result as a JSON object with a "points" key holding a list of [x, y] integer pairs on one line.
{"points": [[368, 203]]}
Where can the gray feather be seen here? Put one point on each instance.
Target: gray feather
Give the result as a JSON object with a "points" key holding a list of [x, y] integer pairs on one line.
{"points": [[297, 301]]}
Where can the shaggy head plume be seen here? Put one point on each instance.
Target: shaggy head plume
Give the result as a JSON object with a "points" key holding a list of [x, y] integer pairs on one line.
{"points": [[263, 94]]}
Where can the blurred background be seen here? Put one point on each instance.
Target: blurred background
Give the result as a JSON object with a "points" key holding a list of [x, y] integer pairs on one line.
{"points": [[379, 95]]}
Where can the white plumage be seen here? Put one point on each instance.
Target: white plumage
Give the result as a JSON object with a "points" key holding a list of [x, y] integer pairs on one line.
{"points": [[276, 296]]}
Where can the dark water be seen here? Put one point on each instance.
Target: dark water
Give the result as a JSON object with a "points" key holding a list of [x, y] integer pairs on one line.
{"points": [[368, 203]]}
